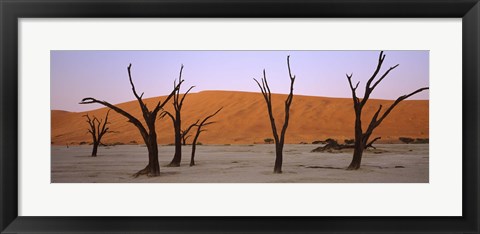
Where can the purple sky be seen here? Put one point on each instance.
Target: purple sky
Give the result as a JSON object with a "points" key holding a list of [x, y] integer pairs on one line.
{"points": [[103, 74]]}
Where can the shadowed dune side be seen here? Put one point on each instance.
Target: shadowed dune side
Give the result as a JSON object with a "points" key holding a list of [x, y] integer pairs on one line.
{"points": [[244, 119]]}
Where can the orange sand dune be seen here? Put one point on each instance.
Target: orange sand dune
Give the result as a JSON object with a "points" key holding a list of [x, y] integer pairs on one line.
{"points": [[244, 119]]}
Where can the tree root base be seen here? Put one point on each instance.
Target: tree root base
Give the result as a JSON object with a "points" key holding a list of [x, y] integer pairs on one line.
{"points": [[146, 171], [173, 165], [353, 168]]}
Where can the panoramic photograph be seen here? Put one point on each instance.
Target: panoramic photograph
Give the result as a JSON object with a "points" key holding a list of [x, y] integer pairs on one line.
{"points": [[239, 116]]}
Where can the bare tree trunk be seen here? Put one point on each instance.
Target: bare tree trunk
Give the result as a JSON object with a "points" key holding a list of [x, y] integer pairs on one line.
{"points": [[148, 132], [278, 158], [359, 146], [361, 137], [177, 158], [267, 95], [357, 157], [95, 147], [197, 134], [192, 159], [97, 130], [194, 142], [177, 124], [153, 164]]}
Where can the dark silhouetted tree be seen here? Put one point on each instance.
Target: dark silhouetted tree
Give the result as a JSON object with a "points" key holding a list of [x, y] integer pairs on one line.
{"points": [[362, 137], [370, 144], [177, 124], [97, 128], [148, 132], [185, 132], [200, 129], [279, 140]]}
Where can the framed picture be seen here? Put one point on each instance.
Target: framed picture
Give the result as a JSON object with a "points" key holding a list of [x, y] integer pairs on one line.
{"points": [[209, 116], [239, 144]]}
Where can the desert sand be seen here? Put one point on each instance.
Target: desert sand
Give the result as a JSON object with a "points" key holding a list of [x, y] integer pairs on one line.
{"points": [[389, 163], [244, 119]]}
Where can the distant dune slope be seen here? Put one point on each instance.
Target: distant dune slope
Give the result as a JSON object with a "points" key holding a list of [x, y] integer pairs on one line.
{"points": [[244, 119]]}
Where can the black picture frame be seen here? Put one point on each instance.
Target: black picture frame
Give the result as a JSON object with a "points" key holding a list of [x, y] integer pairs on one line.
{"points": [[11, 11]]}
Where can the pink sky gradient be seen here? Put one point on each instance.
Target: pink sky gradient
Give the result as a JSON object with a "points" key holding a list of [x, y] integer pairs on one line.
{"points": [[103, 74]]}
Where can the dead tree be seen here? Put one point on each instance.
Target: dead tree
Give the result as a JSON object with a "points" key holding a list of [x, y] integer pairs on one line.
{"points": [[97, 128], [148, 132], [333, 145], [267, 95], [185, 132], [361, 137], [177, 124], [197, 134], [370, 145]]}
